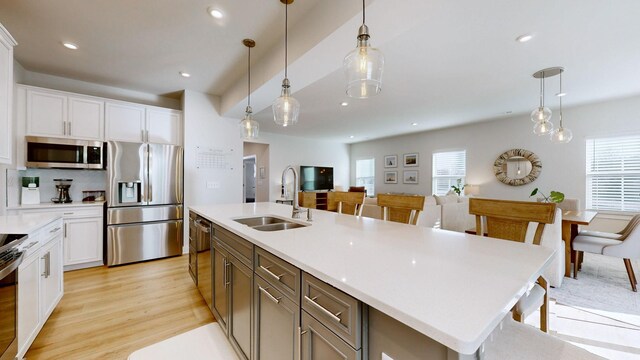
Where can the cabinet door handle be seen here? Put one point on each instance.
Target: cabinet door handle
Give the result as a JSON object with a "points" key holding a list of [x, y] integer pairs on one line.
{"points": [[65, 230], [266, 292], [226, 273], [47, 265], [69, 125], [321, 308], [266, 269], [300, 334]]}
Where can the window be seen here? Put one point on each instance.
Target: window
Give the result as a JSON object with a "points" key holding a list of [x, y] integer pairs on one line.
{"points": [[613, 173], [448, 167], [365, 174]]}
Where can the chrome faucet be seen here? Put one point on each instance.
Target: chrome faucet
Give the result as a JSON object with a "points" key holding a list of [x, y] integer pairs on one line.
{"points": [[297, 210]]}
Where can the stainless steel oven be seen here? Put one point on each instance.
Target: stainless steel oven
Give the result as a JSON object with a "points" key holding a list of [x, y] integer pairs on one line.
{"points": [[10, 259], [44, 152]]}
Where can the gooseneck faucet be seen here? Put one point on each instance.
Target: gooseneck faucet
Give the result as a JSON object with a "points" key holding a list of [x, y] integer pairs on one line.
{"points": [[297, 210]]}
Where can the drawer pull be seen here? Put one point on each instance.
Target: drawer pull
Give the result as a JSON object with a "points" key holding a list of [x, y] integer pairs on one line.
{"points": [[273, 298], [266, 269], [67, 213], [31, 245], [321, 308], [54, 230]]}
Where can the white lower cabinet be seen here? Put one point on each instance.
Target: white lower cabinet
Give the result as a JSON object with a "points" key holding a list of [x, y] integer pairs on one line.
{"points": [[40, 282], [80, 240], [51, 276], [82, 234]]}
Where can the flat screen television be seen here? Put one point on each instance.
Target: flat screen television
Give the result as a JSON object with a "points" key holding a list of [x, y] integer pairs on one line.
{"points": [[313, 178]]}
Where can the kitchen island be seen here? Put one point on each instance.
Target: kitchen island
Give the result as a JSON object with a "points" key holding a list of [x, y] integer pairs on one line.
{"points": [[453, 288]]}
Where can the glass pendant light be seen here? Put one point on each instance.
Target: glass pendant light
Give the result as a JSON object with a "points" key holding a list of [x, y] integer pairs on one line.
{"points": [[363, 66], [286, 108], [541, 113], [561, 135], [249, 128]]}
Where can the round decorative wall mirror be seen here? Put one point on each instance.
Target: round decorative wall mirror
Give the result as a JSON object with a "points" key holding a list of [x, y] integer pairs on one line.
{"points": [[517, 167]]}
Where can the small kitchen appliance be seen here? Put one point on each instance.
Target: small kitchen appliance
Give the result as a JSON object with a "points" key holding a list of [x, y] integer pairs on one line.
{"points": [[62, 185], [30, 190]]}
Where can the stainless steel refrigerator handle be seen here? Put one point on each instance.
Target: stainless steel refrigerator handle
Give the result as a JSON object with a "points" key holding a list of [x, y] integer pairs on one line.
{"points": [[268, 294]]}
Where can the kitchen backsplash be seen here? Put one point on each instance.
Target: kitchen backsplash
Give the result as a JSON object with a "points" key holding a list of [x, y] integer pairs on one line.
{"points": [[82, 180]]}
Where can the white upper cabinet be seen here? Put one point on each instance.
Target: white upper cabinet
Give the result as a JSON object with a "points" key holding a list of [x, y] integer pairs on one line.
{"points": [[164, 126], [125, 122], [6, 95], [46, 113], [139, 123], [86, 118], [58, 114]]}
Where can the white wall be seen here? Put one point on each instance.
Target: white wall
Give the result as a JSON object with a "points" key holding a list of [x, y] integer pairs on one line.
{"points": [[563, 166], [288, 150], [204, 130]]}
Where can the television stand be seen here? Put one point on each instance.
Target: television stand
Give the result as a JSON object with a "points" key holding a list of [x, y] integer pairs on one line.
{"points": [[321, 200]]}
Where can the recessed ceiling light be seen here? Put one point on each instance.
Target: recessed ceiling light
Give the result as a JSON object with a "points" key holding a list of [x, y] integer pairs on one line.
{"points": [[351, 137], [215, 13], [344, 103], [185, 74], [69, 45], [561, 94], [414, 124], [524, 38]]}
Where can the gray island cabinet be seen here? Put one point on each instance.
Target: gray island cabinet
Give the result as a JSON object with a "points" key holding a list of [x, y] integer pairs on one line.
{"points": [[343, 287]]}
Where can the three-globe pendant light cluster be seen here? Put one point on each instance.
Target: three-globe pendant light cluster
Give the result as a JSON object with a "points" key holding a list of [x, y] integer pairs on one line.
{"points": [[541, 116], [363, 68]]}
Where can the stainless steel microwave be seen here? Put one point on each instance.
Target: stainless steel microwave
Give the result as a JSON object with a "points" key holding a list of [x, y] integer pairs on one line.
{"points": [[45, 152]]}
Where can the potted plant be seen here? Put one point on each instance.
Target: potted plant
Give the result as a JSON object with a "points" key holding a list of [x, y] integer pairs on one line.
{"points": [[458, 187], [554, 196]]}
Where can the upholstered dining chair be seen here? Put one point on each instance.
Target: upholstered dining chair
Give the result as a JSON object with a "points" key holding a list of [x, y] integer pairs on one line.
{"points": [[624, 244], [401, 208], [509, 220], [349, 202]]}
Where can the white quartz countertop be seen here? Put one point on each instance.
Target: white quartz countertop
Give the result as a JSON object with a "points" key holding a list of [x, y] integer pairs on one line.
{"points": [[25, 223], [50, 205], [452, 287]]}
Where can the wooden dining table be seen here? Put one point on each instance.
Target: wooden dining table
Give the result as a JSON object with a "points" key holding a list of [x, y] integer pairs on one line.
{"points": [[570, 221]]}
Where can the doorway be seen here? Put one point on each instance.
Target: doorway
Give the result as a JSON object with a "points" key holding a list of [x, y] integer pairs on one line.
{"points": [[249, 183], [260, 175]]}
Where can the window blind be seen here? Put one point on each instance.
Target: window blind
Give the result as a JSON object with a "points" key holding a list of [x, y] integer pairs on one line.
{"points": [[448, 167], [365, 174], [613, 173]]}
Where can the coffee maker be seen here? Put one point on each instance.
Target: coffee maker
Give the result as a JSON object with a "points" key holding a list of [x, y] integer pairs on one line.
{"points": [[62, 185]]}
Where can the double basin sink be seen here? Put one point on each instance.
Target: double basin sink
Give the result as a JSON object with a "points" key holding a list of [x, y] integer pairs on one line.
{"points": [[269, 223]]}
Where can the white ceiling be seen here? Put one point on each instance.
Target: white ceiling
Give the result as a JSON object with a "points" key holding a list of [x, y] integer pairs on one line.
{"points": [[446, 62]]}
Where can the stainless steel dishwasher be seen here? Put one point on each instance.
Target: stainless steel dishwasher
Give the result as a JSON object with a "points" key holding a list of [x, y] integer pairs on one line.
{"points": [[203, 261]]}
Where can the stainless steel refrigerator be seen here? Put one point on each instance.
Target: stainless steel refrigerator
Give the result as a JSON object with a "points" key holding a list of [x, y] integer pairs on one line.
{"points": [[144, 202]]}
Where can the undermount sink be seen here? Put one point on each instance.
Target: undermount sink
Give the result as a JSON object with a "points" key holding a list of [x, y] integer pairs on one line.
{"points": [[260, 220], [279, 226], [269, 223]]}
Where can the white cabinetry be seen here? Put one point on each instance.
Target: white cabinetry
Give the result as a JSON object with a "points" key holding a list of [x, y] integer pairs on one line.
{"points": [[82, 231], [80, 241], [125, 122], [58, 114], [6, 95], [164, 126], [41, 282], [51, 282], [137, 123]]}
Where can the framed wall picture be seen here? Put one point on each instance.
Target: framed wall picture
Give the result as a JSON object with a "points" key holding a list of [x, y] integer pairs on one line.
{"points": [[411, 160], [390, 177], [410, 177], [391, 161]]}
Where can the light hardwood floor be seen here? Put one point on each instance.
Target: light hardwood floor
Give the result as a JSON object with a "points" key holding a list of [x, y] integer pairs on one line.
{"points": [[107, 313]]}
